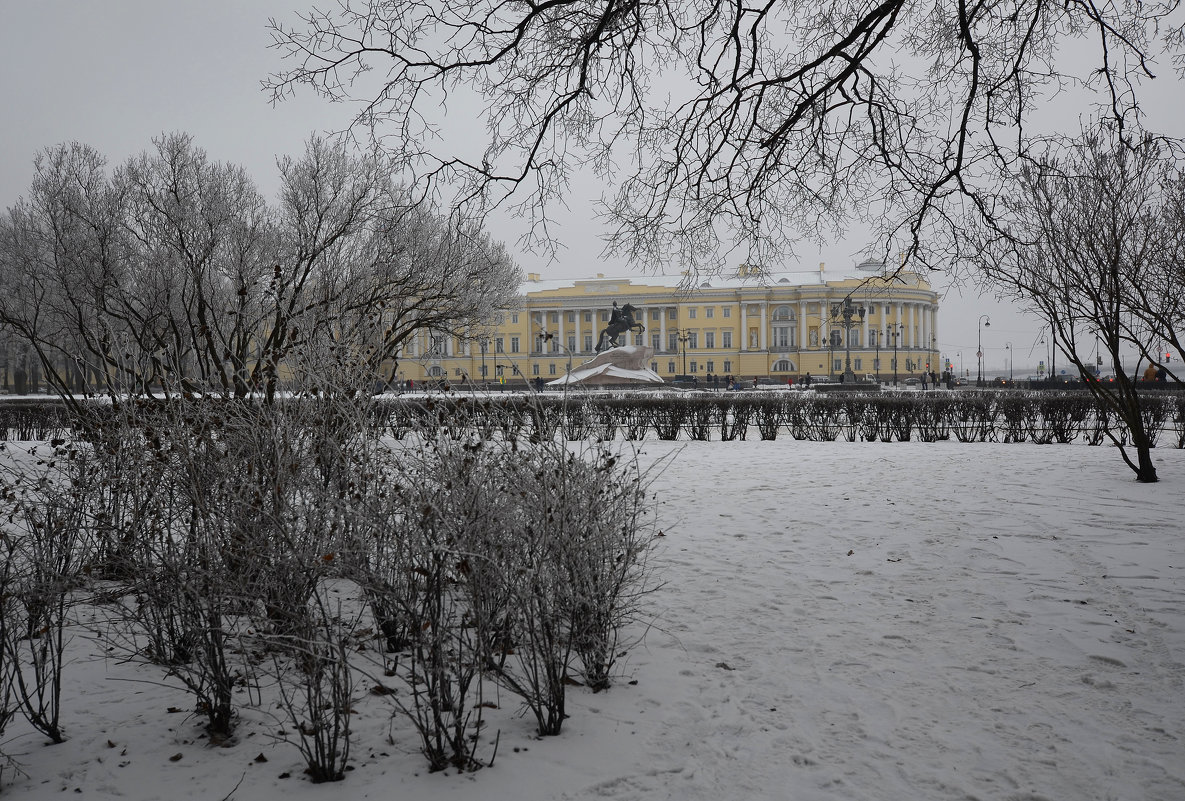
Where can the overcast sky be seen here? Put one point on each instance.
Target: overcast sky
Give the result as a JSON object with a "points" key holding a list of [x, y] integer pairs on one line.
{"points": [[115, 74]]}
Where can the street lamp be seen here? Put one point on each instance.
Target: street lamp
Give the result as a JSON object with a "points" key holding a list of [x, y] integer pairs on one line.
{"points": [[1008, 347], [484, 342], [843, 313], [878, 357], [979, 353], [683, 335], [897, 328]]}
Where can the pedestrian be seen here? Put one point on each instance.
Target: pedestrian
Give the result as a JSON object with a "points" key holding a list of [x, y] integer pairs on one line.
{"points": [[754, 382], [1150, 373], [806, 382], [1162, 375], [925, 379]]}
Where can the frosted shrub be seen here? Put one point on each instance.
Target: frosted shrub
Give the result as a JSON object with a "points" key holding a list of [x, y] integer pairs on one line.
{"points": [[46, 555], [315, 682]]}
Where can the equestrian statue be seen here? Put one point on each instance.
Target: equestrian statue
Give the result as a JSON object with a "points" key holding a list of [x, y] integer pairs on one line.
{"points": [[620, 321]]}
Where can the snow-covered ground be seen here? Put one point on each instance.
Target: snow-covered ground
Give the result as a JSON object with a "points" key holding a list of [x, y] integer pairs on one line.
{"points": [[839, 621]]}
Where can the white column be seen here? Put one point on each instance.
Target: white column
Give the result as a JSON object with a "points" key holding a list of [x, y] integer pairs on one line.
{"points": [[802, 343], [560, 332], [744, 327], [763, 334]]}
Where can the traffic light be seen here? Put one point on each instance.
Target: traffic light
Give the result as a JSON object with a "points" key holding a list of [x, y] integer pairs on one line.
{"points": [[1168, 357]]}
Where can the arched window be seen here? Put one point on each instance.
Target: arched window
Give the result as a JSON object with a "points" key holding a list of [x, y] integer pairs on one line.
{"points": [[783, 366], [784, 313], [435, 371]]}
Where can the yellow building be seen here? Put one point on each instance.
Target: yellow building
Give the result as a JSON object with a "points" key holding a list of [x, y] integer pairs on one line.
{"points": [[779, 326]]}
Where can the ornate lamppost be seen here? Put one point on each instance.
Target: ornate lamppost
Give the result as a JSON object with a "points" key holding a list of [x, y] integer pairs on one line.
{"points": [[896, 329], [979, 353], [878, 356], [1008, 347], [843, 313], [683, 335]]}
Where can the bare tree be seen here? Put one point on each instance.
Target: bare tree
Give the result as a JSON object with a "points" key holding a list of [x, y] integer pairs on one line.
{"points": [[722, 123], [1082, 240], [174, 274]]}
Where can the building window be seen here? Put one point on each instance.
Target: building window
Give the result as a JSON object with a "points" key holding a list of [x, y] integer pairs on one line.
{"points": [[639, 340], [604, 317], [709, 339], [727, 312], [571, 342], [711, 366], [693, 340], [857, 364], [782, 366], [654, 367], [551, 368], [710, 312], [693, 366], [588, 343], [656, 314], [836, 339], [499, 345], [837, 365], [876, 364], [514, 317], [783, 313], [726, 338], [534, 369], [588, 317], [783, 336], [670, 367], [484, 372], [571, 317], [514, 344], [672, 341], [691, 313], [554, 317], [672, 313], [727, 366], [656, 341]]}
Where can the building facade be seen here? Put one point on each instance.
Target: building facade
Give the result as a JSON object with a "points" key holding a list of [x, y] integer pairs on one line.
{"points": [[777, 326]]}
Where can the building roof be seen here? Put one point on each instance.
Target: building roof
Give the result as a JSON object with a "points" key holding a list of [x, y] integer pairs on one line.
{"points": [[743, 278]]}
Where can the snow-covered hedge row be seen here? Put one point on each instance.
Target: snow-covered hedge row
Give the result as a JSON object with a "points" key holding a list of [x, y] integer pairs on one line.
{"points": [[966, 415]]}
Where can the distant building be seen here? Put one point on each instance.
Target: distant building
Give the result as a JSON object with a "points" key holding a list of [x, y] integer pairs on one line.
{"points": [[749, 324]]}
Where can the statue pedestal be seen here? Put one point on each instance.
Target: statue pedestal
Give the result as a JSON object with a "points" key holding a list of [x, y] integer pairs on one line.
{"points": [[622, 365]]}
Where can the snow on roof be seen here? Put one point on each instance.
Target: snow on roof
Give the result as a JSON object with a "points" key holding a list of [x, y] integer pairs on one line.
{"points": [[730, 281]]}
